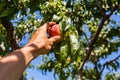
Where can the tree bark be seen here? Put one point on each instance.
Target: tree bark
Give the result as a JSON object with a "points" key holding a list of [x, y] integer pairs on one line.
{"points": [[10, 33], [80, 75]]}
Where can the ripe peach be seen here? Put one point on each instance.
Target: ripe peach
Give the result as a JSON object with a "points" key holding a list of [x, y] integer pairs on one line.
{"points": [[54, 31]]}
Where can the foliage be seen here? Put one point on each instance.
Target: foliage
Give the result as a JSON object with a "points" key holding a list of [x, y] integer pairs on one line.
{"points": [[112, 76], [90, 34]]}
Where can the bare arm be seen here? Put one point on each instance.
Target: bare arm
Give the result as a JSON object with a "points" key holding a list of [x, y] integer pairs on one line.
{"points": [[13, 65]]}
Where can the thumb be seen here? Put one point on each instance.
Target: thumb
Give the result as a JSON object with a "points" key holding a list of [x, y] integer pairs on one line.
{"points": [[55, 39]]}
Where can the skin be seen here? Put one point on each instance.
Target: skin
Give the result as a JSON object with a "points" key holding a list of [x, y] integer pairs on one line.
{"points": [[13, 65]]}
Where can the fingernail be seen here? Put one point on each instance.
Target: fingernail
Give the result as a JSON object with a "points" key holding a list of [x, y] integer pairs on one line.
{"points": [[58, 38]]}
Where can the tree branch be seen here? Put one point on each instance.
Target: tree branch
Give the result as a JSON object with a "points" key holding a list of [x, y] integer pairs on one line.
{"points": [[86, 37], [93, 41], [108, 63], [98, 73], [99, 6], [10, 33], [80, 75], [95, 37]]}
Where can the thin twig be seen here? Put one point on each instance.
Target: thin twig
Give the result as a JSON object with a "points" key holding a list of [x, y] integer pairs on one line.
{"points": [[108, 63]]}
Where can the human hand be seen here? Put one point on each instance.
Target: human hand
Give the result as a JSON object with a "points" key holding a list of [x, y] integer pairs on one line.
{"points": [[39, 42]]}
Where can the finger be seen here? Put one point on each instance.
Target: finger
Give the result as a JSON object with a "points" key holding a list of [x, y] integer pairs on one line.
{"points": [[55, 39], [47, 25]]}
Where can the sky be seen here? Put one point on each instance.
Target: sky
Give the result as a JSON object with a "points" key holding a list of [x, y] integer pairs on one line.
{"points": [[37, 74]]}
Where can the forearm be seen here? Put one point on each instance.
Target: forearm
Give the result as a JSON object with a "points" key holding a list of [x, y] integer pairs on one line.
{"points": [[13, 65]]}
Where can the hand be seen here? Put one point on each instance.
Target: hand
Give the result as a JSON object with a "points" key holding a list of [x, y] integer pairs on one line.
{"points": [[39, 42], [17, 60]]}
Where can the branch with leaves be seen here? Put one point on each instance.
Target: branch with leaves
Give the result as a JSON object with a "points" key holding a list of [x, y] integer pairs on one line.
{"points": [[95, 37], [107, 63]]}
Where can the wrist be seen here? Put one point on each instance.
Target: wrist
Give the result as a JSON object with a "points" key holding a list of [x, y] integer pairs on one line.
{"points": [[31, 49], [28, 53]]}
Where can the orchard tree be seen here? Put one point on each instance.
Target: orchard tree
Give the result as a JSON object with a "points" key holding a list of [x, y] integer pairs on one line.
{"points": [[90, 35]]}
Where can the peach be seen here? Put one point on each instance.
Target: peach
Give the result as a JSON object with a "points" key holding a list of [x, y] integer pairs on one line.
{"points": [[54, 30]]}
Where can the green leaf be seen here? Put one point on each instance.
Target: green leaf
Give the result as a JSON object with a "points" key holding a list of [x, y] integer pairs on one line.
{"points": [[1, 6], [7, 12], [69, 45]]}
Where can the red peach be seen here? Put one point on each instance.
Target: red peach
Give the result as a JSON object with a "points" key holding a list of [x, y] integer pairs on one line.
{"points": [[54, 31]]}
